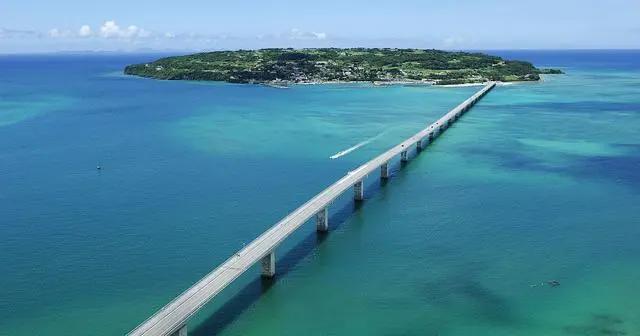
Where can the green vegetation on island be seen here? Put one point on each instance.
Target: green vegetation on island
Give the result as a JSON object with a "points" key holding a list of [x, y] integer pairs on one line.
{"points": [[340, 65]]}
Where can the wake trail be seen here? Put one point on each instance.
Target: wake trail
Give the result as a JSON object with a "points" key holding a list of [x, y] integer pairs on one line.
{"points": [[358, 145]]}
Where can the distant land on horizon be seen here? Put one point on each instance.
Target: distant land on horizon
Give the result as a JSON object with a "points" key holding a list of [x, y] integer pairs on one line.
{"points": [[282, 66]]}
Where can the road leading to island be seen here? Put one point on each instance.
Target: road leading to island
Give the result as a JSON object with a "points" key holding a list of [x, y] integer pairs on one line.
{"points": [[172, 318]]}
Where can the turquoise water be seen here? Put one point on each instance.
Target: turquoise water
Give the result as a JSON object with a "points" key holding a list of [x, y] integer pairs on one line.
{"points": [[538, 182]]}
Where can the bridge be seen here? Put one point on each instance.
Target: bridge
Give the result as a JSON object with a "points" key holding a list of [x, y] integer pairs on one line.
{"points": [[172, 319]]}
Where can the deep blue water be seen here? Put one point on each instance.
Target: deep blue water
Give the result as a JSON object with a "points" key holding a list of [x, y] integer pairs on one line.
{"points": [[539, 182]]}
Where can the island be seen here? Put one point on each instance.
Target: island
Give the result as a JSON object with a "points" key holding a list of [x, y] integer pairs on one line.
{"points": [[283, 66]]}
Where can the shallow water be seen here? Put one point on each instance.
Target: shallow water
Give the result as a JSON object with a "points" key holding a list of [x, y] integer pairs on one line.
{"points": [[538, 182]]}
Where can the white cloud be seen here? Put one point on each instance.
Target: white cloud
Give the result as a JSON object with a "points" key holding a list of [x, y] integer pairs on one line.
{"points": [[85, 31], [58, 33], [169, 35], [17, 33], [142, 33], [55, 32], [110, 29], [320, 36]]}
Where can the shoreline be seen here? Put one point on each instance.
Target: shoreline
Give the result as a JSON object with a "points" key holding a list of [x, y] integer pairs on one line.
{"points": [[465, 85], [287, 85], [280, 84]]}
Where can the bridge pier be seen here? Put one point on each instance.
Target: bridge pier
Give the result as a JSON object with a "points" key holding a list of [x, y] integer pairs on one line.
{"points": [[419, 146], [181, 332], [269, 265], [358, 191], [384, 171], [403, 156], [322, 220]]}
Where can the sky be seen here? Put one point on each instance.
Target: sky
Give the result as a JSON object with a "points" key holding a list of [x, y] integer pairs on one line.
{"points": [[30, 26]]}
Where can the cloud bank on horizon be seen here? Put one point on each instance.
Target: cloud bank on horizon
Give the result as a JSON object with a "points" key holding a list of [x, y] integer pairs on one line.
{"points": [[118, 25], [111, 30], [110, 36]]}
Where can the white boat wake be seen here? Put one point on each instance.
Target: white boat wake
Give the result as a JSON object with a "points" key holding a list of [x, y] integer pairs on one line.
{"points": [[358, 145]]}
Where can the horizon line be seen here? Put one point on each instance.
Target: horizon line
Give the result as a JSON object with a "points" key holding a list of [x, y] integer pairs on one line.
{"points": [[167, 51]]}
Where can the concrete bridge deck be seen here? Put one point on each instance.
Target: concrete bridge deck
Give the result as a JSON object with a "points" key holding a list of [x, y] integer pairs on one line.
{"points": [[172, 318]]}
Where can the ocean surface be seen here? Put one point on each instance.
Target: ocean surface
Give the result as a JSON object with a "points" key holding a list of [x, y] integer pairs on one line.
{"points": [[538, 182]]}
